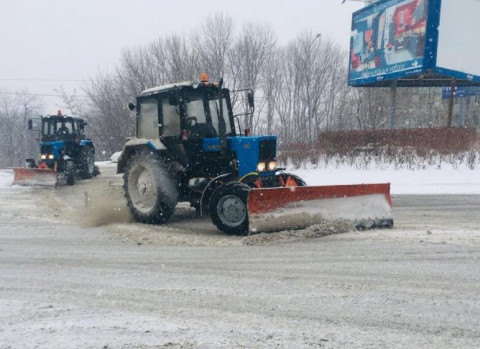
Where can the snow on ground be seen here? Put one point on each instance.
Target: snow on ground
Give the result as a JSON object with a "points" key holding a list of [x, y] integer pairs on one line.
{"points": [[447, 180], [6, 178], [403, 181]]}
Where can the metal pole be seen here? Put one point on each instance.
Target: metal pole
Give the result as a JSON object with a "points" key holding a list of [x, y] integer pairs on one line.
{"points": [[462, 112], [450, 103], [393, 103]]}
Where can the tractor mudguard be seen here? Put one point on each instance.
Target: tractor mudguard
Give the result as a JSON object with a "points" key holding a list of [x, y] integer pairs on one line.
{"points": [[134, 145]]}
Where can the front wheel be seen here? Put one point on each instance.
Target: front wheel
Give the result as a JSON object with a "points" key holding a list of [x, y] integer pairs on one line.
{"points": [[289, 179], [228, 208]]}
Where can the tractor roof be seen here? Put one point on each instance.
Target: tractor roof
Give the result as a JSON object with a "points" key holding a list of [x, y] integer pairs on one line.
{"points": [[62, 117], [168, 87]]}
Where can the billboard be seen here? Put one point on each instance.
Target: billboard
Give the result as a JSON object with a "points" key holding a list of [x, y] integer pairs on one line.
{"points": [[458, 50], [398, 40], [461, 91]]}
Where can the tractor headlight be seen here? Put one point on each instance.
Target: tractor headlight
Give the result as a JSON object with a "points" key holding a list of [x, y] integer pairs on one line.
{"points": [[261, 167], [271, 165], [43, 156], [51, 156]]}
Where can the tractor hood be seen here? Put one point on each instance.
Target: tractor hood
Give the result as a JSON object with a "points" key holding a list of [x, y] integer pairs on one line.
{"points": [[249, 151]]}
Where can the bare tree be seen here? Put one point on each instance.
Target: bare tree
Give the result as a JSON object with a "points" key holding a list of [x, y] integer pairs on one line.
{"points": [[249, 58], [16, 142], [181, 62], [301, 88], [110, 120], [305, 100], [212, 43], [271, 83]]}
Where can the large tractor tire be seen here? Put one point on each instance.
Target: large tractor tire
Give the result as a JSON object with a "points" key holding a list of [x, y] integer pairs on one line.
{"points": [[87, 163], [150, 190], [228, 208], [69, 172]]}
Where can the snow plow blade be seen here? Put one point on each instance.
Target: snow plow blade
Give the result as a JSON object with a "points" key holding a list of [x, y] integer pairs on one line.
{"points": [[273, 209], [35, 176]]}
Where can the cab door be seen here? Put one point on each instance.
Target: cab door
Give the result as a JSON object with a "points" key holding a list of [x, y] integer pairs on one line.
{"points": [[147, 120]]}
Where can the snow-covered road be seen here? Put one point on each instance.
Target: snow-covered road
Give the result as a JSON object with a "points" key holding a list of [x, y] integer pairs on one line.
{"points": [[76, 273]]}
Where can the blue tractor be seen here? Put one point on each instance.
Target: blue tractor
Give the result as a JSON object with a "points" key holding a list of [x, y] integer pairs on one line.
{"points": [[189, 148], [65, 153]]}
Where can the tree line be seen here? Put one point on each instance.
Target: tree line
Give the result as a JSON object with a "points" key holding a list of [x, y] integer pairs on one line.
{"points": [[300, 87]]}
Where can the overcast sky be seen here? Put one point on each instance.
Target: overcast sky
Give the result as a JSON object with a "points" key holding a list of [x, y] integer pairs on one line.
{"points": [[64, 40]]}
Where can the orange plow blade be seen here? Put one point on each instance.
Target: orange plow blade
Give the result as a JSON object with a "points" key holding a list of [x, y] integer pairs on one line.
{"points": [[35, 176], [273, 209]]}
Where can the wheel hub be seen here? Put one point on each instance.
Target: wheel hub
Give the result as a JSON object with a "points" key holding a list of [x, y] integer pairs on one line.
{"points": [[232, 210], [144, 191]]}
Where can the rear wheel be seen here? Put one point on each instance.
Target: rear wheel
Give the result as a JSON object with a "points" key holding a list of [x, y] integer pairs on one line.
{"points": [[228, 208], [96, 171], [150, 190], [87, 163], [69, 172]]}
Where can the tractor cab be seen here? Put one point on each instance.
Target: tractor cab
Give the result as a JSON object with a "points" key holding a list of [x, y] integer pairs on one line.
{"points": [[183, 116], [184, 110], [194, 123], [62, 128]]}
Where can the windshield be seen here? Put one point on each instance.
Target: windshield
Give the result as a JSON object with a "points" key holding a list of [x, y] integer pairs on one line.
{"points": [[57, 127], [195, 108], [53, 127], [207, 109], [215, 112]]}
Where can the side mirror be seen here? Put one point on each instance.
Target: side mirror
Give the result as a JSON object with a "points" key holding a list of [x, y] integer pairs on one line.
{"points": [[33, 124], [131, 107], [250, 99]]}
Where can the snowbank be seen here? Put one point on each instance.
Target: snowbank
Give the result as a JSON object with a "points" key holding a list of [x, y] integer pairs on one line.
{"points": [[426, 181], [6, 178]]}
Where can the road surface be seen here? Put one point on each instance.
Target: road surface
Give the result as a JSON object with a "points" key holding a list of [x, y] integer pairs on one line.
{"points": [[75, 272]]}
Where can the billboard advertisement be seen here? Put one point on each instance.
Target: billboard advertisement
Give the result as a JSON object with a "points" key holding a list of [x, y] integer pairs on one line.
{"points": [[388, 40], [458, 52], [416, 43]]}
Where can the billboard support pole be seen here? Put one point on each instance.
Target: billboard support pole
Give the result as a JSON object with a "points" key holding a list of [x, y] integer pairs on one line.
{"points": [[393, 103], [450, 103], [462, 112]]}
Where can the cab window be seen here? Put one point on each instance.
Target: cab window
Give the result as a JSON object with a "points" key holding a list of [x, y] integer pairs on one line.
{"points": [[171, 120], [195, 108], [148, 119]]}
